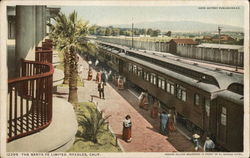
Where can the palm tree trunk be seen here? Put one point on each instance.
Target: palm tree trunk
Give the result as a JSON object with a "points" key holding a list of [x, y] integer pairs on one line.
{"points": [[73, 98], [66, 67]]}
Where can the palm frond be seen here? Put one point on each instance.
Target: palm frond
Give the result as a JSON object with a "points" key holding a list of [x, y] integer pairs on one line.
{"points": [[93, 123]]}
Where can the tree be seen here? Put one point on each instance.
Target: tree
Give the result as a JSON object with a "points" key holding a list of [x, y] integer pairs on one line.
{"points": [[58, 34], [93, 30], [101, 31], [136, 32], [142, 31], [122, 31], [116, 32], [150, 32], [128, 33], [155, 33], [71, 32], [108, 31], [240, 42], [168, 33]]}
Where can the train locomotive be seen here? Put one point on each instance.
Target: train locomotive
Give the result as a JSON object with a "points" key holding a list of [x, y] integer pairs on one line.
{"points": [[207, 101]]}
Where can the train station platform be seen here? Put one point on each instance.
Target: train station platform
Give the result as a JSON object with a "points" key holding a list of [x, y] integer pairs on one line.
{"points": [[145, 137], [118, 104]]}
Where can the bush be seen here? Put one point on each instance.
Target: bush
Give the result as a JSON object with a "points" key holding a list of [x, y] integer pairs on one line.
{"points": [[92, 123]]}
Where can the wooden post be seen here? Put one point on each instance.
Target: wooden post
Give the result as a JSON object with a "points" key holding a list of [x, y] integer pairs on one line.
{"points": [[107, 125], [91, 98], [116, 141]]}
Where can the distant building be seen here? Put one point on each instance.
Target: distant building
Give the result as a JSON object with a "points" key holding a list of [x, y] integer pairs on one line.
{"points": [[228, 47], [220, 53], [176, 42], [207, 38], [222, 38]]}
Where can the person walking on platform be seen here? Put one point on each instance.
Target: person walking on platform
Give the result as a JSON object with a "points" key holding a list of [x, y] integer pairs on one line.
{"points": [[90, 74], [196, 141], [163, 123], [103, 77], [127, 132], [120, 83], [143, 100], [171, 126], [101, 90], [155, 109], [208, 145], [98, 77]]}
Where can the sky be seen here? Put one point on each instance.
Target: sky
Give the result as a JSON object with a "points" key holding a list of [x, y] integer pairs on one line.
{"points": [[108, 15]]}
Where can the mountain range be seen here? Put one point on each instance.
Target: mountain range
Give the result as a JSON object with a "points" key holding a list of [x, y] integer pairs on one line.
{"points": [[182, 26]]}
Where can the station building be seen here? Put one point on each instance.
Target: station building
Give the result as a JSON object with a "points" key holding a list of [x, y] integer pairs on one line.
{"points": [[35, 118]]}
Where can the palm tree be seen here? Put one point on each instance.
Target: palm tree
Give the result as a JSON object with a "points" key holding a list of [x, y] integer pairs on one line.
{"points": [[68, 32], [58, 34], [92, 123]]}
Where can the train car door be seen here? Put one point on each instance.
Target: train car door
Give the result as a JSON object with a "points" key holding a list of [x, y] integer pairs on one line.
{"points": [[207, 114], [121, 67], [222, 124]]}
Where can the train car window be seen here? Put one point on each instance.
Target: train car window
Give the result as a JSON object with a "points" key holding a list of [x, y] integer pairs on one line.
{"points": [[184, 95], [153, 78], [172, 89], [161, 83], [178, 90], [168, 87], [224, 116], [139, 71], [196, 99], [181, 93], [130, 67], [144, 75], [147, 77], [134, 69]]}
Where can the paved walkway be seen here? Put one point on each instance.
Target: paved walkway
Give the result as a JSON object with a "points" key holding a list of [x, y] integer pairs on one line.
{"points": [[118, 107], [144, 136], [119, 103]]}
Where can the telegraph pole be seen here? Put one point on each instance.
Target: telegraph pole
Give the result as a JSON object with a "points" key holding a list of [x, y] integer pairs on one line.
{"points": [[132, 34], [219, 30]]}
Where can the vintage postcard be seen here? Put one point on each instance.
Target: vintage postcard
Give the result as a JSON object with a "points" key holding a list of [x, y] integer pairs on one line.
{"points": [[124, 79]]}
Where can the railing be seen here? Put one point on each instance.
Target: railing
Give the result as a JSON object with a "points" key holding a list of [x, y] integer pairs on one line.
{"points": [[30, 97], [44, 55], [47, 44]]}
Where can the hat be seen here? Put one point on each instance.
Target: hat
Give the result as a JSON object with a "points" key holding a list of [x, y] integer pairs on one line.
{"points": [[196, 136]]}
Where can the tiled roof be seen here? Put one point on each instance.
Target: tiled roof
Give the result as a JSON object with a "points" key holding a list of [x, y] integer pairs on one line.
{"points": [[185, 41]]}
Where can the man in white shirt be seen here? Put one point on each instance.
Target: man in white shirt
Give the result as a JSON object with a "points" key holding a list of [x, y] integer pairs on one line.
{"points": [[208, 145]]}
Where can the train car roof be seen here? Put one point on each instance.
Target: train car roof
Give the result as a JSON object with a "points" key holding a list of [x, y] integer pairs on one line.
{"points": [[231, 96], [205, 86], [224, 78]]}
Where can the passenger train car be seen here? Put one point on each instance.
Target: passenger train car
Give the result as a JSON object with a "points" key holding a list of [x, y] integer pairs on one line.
{"points": [[208, 101]]}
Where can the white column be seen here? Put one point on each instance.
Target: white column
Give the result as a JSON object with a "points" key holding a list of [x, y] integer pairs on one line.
{"points": [[44, 21], [25, 32], [40, 24]]}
